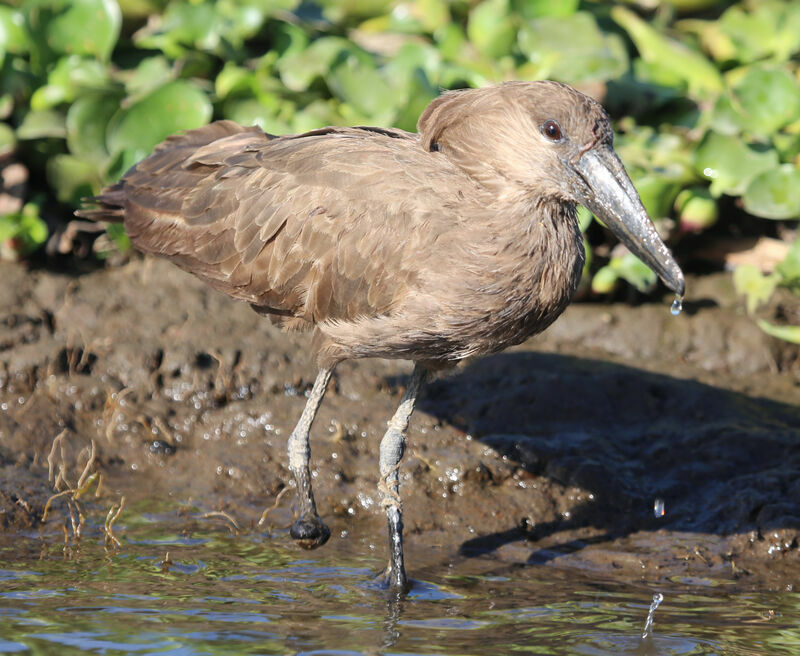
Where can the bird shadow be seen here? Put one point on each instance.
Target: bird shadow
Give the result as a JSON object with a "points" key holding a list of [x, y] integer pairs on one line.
{"points": [[722, 461]]}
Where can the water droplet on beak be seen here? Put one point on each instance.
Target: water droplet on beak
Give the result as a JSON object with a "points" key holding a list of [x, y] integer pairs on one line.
{"points": [[677, 307]]}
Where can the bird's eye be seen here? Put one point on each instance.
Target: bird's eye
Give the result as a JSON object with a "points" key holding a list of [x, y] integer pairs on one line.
{"points": [[552, 130]]}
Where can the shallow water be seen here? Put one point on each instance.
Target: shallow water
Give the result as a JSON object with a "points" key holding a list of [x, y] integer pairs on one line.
{"points": [[258, 594]]}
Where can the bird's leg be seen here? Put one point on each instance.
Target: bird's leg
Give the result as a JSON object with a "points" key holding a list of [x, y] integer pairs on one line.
{"points": [[391, 452], [309, 530]]}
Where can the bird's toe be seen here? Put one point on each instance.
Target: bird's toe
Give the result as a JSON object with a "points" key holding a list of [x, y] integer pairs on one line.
{"points": [[310, 532]]}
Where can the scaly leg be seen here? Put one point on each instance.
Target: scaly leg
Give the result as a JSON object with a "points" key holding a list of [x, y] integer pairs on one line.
{"points": [[391, 452], [309, 530]]}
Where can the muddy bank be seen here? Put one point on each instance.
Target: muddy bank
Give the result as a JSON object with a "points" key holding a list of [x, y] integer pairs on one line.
{"points": [[551, 453]]}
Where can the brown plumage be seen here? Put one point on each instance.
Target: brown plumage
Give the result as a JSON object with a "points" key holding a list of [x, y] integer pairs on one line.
{"points": [[457, 241]]}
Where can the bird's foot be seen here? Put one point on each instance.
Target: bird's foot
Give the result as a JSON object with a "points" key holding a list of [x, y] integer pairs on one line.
{"points": [[395, 579], [310, 532]]}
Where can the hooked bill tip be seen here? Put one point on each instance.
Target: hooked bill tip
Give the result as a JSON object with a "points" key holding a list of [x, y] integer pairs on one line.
{"points": [[677, 283]]}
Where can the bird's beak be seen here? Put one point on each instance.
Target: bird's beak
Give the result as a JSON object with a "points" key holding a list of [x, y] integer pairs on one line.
{"points": [[613, 199]]}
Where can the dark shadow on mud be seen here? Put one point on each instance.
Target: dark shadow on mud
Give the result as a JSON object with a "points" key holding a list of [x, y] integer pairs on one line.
{"points": [[723, 462]]}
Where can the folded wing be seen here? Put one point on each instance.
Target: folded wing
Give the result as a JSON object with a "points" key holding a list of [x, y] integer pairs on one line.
{"points": [[307, 228]]}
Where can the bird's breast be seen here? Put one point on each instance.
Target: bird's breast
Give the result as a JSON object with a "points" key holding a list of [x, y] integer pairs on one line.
{"points": [[476, 290], [505, 292]]}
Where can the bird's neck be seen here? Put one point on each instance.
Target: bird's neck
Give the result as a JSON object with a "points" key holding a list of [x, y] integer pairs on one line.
{"points": [[530, 268], [546, 247]]}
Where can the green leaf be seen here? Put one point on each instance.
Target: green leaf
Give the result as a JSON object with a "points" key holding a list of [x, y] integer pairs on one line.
{"points": [[573, 49], [151, 73], [786, 333], [339, 11], [753, 285], [789, 268], [724, 117], [451, 41], [787, 145], [267, 116], [299, 69], [584, 218], [769, 29], [315, 115], [136, 130], [71, 76], [491, 29], [232, 79], [730, 163], [6, 104], [72, 178], [182, 25], [701, 76], [713, 40], [355, 80], [410, 74], [662, 154], [631, 269], [659, 73], [22, 232], [42, 124], [766, 100], [628, 267], [697, 210], [13, 37], [288, 38], [408, 61], [117, 234], [775, 193], [417, 17], [750, 32], [431, 14], [84, 27], [530, 9], [7, 139], [604, 280], [215, 27], [657, 193], [87, 119], [418, 93]]}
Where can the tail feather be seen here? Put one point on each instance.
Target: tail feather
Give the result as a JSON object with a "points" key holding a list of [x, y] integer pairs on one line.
{"points": [[110, 202]]}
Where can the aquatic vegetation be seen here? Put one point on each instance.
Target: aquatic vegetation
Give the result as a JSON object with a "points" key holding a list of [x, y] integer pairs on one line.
{"points": [[706, 94]]}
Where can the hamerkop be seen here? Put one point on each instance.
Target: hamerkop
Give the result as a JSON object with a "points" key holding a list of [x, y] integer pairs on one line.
{"points": [[457, 241]]}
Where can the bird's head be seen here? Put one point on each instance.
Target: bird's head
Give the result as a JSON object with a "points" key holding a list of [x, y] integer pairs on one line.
{"points": [[545, 140]]}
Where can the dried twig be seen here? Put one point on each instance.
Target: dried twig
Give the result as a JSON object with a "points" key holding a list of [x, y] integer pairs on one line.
{"points": [[49, 501], [224, 515], [63, 488], [51, 457], [162, 428], [166, 563], [89, 464], [108, 528], [271, 508]]}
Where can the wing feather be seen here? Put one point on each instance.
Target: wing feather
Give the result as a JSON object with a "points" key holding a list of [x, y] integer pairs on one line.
{"points": [[314, 227]]}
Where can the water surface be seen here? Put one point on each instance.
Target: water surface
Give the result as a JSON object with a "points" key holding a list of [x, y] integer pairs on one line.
{"points": [[258, 594]]}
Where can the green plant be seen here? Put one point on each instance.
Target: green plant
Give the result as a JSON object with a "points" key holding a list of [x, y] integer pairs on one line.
{"points": [[706, 94], [758, 288], [21, 232]]}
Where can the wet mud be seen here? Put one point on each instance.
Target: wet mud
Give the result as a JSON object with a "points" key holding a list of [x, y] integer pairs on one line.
{"points": [[551, 453]]}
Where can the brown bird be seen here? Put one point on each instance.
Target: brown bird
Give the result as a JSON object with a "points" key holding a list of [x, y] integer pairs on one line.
{"points": [[457, 241]]}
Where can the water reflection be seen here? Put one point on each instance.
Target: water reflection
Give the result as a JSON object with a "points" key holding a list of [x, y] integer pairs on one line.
{"points": [[250, 594]]}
